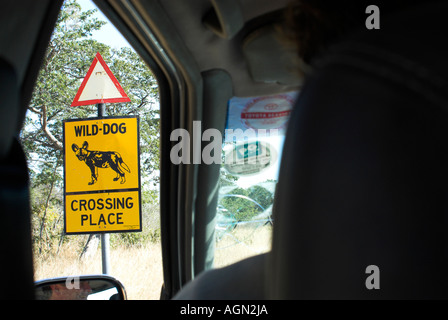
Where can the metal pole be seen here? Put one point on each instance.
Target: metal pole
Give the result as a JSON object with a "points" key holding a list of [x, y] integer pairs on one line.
{"points": [[101, 110], [105, 259], [105, 243]]}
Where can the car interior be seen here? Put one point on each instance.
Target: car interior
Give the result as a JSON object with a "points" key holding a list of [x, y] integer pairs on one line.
{"points": [[363, 169]]}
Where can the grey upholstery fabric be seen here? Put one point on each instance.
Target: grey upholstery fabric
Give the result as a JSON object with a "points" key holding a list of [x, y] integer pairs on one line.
{"points": [[364, 169], [239, 281]]}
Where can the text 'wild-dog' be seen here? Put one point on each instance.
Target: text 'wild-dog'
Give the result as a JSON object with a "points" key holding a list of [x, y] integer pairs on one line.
{"points": [[101, 159]]}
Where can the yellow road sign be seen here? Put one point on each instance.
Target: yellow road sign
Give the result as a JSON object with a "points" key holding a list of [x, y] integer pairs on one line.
{"points": [[102, 212], [101, 162]]}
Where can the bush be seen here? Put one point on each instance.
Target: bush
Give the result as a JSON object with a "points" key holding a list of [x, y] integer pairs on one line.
{"points": [[252, 202]]}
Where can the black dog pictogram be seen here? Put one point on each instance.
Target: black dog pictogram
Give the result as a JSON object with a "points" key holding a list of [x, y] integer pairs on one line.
{"points": [[101, 159]]}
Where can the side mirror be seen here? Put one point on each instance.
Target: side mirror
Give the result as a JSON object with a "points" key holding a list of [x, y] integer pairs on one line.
{"points": [[97, 287]]}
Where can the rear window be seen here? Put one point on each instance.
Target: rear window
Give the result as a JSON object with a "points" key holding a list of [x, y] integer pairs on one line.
{"points": [[252, 149]]}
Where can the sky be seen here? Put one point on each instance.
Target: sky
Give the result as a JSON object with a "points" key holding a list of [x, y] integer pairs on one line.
{"points": [[108, 34]]}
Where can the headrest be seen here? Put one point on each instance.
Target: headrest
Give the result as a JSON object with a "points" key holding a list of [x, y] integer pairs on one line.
{"points": [[360, 209]]}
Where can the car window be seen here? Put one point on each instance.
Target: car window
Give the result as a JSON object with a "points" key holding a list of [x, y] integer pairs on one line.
{"points": [[76, 40], [251, 155]]}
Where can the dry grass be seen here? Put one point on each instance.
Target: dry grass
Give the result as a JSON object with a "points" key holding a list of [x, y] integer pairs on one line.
{"points": [[243, 242], [139, 269]]}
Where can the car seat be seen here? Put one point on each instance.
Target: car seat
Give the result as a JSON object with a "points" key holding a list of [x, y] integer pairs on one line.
{"points": [[363, 181]]}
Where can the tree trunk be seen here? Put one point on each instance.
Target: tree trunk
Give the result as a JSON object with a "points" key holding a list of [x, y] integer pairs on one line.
{"points": [[90, 247]]}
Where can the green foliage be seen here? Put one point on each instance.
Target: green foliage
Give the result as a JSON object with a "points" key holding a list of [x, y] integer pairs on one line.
{"points": [[150, 221], [264, 197], [47, 222], [244, 204]]}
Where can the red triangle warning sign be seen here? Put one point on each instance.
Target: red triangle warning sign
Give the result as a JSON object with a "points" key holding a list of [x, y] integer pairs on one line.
{"points": [[99, 86]]}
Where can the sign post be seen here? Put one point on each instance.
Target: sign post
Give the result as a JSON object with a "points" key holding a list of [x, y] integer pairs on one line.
{"points": [[105, 240], [101, 164]]}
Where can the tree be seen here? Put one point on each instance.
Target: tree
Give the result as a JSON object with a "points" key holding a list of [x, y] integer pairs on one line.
{"points": [[68, 57], [244, 204]]}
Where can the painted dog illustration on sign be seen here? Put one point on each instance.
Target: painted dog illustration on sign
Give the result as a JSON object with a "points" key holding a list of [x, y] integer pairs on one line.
{"points": [[101, 159]]}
